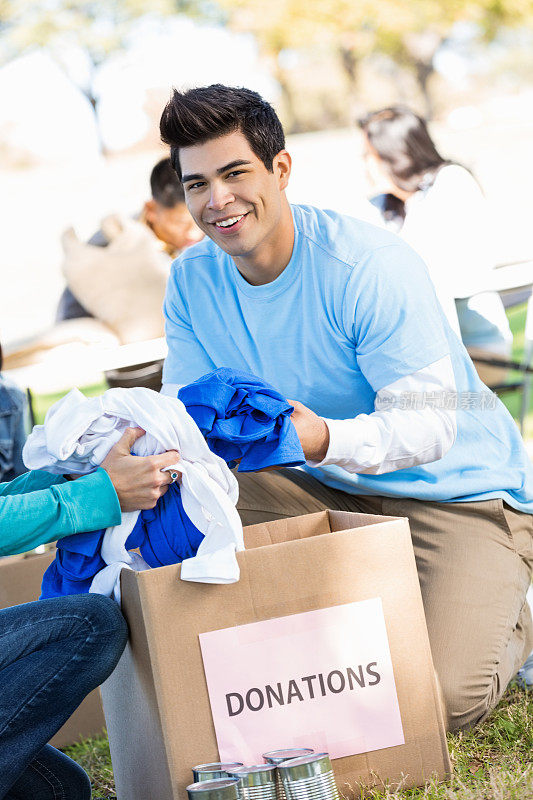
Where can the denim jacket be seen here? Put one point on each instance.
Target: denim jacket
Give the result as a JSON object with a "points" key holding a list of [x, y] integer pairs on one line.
{"points": [[12, 429]]}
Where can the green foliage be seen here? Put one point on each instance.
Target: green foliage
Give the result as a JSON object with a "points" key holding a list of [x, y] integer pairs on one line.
{"points": [[410, 32], [97, 26]]}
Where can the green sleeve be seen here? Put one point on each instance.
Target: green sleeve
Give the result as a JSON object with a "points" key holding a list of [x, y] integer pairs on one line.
{"points": [[30, 482], [45, 507]]}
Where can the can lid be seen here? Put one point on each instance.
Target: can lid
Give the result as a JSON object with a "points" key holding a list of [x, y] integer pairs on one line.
{"points": [[217, 765], [256, 775], [305, 766], [278, 756], [218, 789]]}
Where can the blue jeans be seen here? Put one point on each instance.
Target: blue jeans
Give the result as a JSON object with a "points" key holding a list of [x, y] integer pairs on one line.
{"points": [[52, 654], [12, 429]]}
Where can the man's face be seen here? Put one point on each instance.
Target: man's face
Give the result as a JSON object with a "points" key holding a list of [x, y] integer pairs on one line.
{"points": [[173, 226], [231, 195]]}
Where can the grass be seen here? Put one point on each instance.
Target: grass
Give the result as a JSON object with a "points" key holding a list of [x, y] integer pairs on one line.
{"points": [[93, 755], [491, 762], [517, 321], [42, 402]]}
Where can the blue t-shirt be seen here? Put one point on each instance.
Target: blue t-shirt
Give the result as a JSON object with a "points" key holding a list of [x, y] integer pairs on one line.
{"points": [[353, 311]]}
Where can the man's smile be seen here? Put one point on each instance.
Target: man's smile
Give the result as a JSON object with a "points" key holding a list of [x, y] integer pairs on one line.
{"points": [[230, 224]]}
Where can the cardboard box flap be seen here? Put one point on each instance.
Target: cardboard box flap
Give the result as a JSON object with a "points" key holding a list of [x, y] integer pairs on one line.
{"points": [[348, 520], [264, 534], [286, 530]]}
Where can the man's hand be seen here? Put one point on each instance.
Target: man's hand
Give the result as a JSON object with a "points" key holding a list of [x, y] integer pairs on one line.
{"points": [[312, 431], [138, 481]]}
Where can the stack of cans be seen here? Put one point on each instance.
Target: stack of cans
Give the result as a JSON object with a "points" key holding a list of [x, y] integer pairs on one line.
{"points": [[219, 789], [277, 757], [217, 769], [309, 777], [257, 782]]}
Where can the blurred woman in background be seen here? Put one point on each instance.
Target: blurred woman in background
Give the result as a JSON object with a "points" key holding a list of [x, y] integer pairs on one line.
{"points": [[438, 207]]}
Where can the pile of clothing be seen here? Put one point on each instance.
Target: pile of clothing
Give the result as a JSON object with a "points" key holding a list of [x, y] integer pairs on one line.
{"points": [[223, 418]]}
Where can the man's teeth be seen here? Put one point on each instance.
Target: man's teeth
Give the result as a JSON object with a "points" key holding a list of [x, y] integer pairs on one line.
{"points": [[225, 223]]}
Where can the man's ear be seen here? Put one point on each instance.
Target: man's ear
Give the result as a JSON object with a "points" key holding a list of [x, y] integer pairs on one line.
{"points": [[282, 168], [150, 210]]}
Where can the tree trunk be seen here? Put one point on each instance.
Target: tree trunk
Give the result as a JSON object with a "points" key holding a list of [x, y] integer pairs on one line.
{"points": [[350, 66], [292, 124], [419, 50], [423, 71], [94, 103]]}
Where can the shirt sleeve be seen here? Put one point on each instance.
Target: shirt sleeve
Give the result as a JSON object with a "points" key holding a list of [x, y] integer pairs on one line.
{"points": [[392, 315], [411, 425], [30, 482], [37, 508], [186, 360]]}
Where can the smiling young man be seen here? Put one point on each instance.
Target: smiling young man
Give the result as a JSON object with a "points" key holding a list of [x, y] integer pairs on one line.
{"points": [[342, 318]]}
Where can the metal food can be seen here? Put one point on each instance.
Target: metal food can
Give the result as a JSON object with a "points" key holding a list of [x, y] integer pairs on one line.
{"points": [[309, 778], [217, 769], [220, 789], [257, 782], [277, 757]]}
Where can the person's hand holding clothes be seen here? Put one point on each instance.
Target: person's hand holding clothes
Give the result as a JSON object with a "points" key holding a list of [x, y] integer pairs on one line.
{"points": [[138, 481], [312, 431]]}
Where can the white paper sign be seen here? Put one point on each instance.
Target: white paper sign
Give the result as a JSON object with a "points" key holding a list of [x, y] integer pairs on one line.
{"points": [[322, 679]]}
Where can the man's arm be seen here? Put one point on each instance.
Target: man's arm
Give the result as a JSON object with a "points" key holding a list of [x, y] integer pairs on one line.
{"points": [[410, 426], [37, 507], [401, 344], [186, 360]]}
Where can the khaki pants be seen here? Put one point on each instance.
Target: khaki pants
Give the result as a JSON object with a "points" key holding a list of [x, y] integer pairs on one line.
{"points": [[474, 564]]}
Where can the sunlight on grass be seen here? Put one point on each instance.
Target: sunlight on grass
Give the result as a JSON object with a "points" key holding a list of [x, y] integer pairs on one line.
{"points": [[491, 762]]}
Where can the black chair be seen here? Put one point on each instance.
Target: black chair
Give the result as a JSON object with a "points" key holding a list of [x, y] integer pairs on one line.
{"points": [[525, 367], [149, 375]]}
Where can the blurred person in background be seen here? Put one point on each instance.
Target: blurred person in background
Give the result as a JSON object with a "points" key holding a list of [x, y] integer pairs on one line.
{"points": [[165, 215], [116, 281], [438, 207], [12, 427]]}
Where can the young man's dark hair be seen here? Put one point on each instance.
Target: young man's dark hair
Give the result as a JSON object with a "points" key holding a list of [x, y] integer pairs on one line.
{"points": [[166, 188], [198, 115]]}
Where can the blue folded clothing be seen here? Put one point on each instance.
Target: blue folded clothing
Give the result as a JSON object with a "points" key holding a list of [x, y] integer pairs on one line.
{"points": [[164, 535], [168, 535], [243, 418], [76, 563]]}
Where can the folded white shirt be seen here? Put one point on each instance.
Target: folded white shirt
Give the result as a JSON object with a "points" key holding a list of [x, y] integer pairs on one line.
{"points": [[78, 433]]}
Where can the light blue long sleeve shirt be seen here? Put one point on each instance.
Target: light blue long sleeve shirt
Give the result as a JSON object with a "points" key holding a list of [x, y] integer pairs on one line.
{"points": [[353, 311], [39, 507]]}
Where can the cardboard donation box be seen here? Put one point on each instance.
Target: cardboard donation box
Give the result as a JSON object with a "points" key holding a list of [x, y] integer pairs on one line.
{"points": [[20, 582], [322, 643]]}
